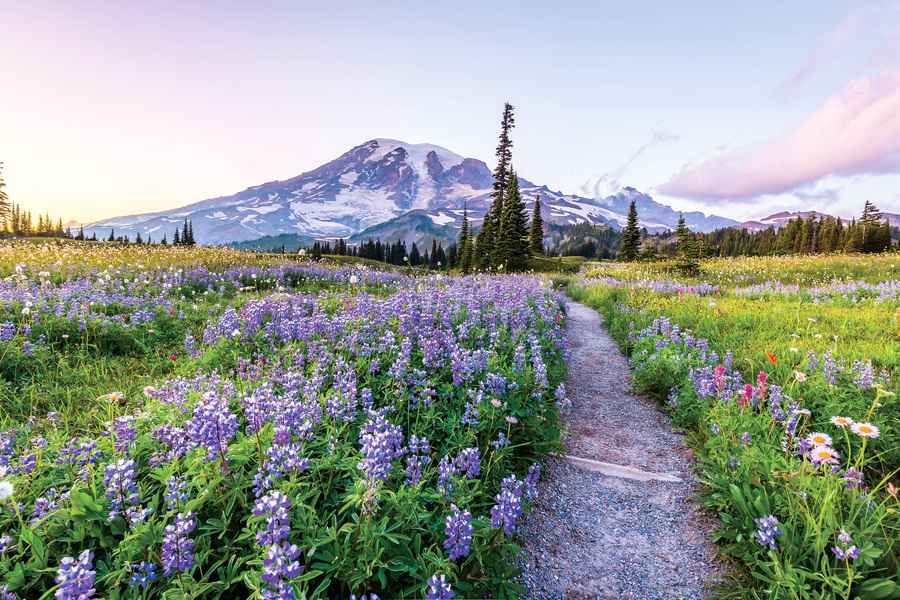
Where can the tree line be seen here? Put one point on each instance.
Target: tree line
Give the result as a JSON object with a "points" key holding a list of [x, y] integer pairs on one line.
{"points": [[813, 235]]}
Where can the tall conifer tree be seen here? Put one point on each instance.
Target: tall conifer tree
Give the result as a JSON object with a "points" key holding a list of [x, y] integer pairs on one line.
{"points": [[536, 236], [486, 242], [631, 236]]}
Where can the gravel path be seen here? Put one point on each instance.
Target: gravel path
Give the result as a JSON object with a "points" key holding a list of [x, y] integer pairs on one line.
{"points": [[594, 536]]}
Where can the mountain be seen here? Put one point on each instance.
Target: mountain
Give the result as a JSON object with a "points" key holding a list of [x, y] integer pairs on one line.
{"points": [[778, 220], [384, 188]]}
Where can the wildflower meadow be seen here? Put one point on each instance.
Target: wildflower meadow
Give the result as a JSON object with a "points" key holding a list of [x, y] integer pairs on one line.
{"points": [[201, 423], [783, 371]]}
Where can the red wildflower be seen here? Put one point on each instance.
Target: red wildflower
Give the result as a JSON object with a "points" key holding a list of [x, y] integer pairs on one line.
{"points": [[772, 358], [173, 357]]}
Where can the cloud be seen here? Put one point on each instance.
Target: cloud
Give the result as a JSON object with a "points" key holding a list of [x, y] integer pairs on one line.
{"points": [[855, 132], [611, 182], [868, 36]]}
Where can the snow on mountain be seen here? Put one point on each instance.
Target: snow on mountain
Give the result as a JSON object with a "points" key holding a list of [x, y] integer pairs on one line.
{"points": [[374, 184]]}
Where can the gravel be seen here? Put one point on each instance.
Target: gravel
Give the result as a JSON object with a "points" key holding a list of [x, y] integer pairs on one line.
{"points": [[593, 536]]}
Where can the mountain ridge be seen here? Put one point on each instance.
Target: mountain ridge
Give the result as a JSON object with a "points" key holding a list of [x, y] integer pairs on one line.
{"points": [[376, 183]]}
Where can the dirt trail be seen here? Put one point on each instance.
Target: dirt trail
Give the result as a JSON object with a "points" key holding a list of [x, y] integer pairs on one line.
{"points": [[597, 531]]}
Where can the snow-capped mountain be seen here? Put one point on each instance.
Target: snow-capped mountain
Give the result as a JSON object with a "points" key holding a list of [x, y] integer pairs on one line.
{"points": [[383, 185]]}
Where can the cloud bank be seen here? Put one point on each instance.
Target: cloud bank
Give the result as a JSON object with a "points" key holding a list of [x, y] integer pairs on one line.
{"points": [[856, 132]]}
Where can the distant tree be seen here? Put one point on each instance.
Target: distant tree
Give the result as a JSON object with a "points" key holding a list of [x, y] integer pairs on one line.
{"points": [[4, 200], [631, 236], [112, 235], [176, 239], [138, 239], [536, 236], [686, 248], [414, 257], [512, 237], [464, 244], [486, 240]]}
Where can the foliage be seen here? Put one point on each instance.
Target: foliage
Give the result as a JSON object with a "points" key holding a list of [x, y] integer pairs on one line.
{"points": [[186, 397], [756, 373]]}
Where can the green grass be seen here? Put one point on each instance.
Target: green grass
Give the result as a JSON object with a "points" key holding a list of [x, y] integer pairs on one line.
{"points": [[773, 334]]}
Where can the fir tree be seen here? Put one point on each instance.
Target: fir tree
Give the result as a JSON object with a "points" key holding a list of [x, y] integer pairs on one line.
{"points": [[631, 236], [536, 237], [176, 239], [486, 242], [464, 243], [512, 237], [686, 248], [112, 235], [4, 199]]}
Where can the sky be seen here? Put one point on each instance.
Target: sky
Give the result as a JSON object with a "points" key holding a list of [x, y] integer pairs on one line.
{"points": [[737, 109]]}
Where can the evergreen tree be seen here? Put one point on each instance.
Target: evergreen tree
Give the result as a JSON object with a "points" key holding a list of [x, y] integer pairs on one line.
{"points": [[414, 257], [512, 237], [433, 259], [112, 235], [631, 236], [855, 239], [184, 233], [191, 233], [486, 242], [871, 223], [465, 243], [4, 199], [686, 248], [176, 239], [536, 237], [138, 239]]}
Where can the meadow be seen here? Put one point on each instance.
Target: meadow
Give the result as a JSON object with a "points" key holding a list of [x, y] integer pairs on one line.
{"points": [[784, 372], [203, 423]]}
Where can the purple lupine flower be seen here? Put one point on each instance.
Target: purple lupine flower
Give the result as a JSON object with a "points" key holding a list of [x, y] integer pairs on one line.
{"points": [[79, 452], [367, 402], [471, 414], [137, 515], [746, 439], [275, 507], [446, 470], [767, 531], [812, 362], [5, 543], [213, 426], [853, 479], [508, 507], [501, 441], [43, 506], [458, 532], [176, 492], [531, 481], [830, 368], [382, 443], [282, 459], [439, 588], [125, 433], [5, 594], [143, 574], [76, 577], [369, 596], [418, 451], [863, 375], [121, 486], [281, 565], [845, 550], [178, 549], [776, 400], [468, 462]]}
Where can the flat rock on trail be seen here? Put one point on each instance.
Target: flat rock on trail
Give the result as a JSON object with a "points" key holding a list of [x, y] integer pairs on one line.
{"points": [[593, 535]]}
